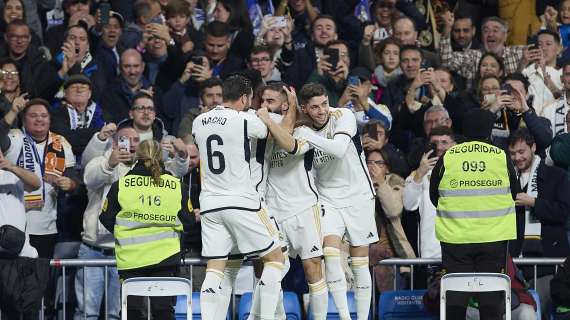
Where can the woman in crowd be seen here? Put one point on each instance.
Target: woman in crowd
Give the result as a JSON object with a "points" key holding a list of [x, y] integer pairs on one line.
{"points": [[235, 14], [9, 84], [389, 205]]}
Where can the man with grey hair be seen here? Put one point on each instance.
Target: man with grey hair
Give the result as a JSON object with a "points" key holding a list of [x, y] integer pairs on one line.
{"points": [[493, 35]]}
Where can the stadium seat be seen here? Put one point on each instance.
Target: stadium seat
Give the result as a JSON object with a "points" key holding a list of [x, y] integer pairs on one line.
{"points": [[405, 304], [332, 312], [290, 303], [180, 310], [156, 287]]}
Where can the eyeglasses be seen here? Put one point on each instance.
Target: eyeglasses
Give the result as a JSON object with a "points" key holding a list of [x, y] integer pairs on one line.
{"points": [[7, 73], [141, 108], [260, 60], [376, 162], [13, 37]]}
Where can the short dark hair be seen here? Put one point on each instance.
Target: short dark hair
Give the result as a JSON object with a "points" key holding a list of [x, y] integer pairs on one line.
{"points": [[521, 134], [311, 90], [35, 102], [555, 35], [494, 56], [176, 7], [210, 83], [442, 131], [18, 23], [217, 29], [236, 86], [324, 16], [336, 42], [80, 25], [411, 47], [461, 16], [141, 95], [277, 87], [517, 76], [376, 122], [260, 49]]}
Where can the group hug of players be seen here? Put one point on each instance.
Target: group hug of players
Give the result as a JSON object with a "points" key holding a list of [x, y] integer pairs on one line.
{"points": [[269, 182]]}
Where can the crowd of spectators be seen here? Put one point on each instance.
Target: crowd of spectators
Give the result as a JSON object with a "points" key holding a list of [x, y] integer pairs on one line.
{"points": [[74, 76]]}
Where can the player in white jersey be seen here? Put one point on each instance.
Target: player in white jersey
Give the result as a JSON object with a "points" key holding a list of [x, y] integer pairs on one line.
{"points": [[346, 192], [292, 198], [230, 207]]}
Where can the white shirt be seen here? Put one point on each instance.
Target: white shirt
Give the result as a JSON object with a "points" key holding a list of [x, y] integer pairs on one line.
{"points": [[541, 93], [40, 222], [223, 138], [416, 197], [290, 183], [12, 210], [341, 174]]}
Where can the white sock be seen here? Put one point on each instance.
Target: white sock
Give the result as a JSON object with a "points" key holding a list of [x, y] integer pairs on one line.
{"points": [[280, 311], [268, 289], [362, 286], [210, 293], [336, 280], [230, 274], [319, 299]]}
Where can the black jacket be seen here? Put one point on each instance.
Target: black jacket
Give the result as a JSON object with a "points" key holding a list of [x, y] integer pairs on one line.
{"points": [[552, 207]]}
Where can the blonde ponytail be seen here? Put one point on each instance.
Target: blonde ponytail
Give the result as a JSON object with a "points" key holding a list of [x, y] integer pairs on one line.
{"points": [[150, 154]]}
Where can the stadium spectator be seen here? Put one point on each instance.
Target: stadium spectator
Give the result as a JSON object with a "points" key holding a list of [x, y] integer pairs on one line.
{"points": [[494, 35], [416, 190], [9, 84], [107, 48], [119, 94], [77, 116], [384, 59], [235, 15], [58, 174], [182, 28], [74, 12], [556, 112], [392, 239], [261, 59], [542, 229], [16, 10], [333, 76], [221, 61], [542, 72], [406, 33], [463, 34]]}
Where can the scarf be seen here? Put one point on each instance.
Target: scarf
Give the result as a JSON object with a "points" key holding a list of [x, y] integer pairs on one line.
{"points": [[532, 224], [51, 163], [383, 78], [556, 113], [80, 120]]}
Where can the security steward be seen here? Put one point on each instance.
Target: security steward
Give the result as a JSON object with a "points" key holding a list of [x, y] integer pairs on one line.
{"points": [[473, 187], [147, 210]]}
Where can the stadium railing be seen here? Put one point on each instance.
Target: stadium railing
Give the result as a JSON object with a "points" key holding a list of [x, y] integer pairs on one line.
{"points": [[64, 264]]}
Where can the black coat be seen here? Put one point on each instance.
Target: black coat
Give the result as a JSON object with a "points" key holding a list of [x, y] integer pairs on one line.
{"points": [[552, 207]]}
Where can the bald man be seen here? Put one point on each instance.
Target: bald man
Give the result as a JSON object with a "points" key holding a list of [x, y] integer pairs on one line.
{"points": [[119, 92]]}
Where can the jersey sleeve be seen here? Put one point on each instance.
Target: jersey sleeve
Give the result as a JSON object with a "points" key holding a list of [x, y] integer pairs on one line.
{"points": [[255, 127], [345, 122], [336, 146]]}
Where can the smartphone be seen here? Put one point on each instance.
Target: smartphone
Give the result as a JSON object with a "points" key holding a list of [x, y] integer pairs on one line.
{"points": [[197, 60], [124, 143], [507, 88], [433, 148], [333, 54], [533, 46], [425, 65], [372, 131], [279, 22], [104, 9], [353, 81]]}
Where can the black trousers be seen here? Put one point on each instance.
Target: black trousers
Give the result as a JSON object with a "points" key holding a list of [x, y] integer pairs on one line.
{"points": [[161, 307], [476, 257]]}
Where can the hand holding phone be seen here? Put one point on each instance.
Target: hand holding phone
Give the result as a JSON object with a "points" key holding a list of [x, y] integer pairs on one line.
{"points": [[124, 143], [333, 56]]}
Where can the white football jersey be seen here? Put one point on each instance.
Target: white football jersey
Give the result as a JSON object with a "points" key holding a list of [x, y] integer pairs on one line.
{"points": [[223, 137], [290, 183], [341, 180]]}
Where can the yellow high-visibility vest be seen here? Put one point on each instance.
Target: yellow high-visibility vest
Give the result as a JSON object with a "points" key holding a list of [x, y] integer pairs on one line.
{"points": [[147, 229], [475, 202]]}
